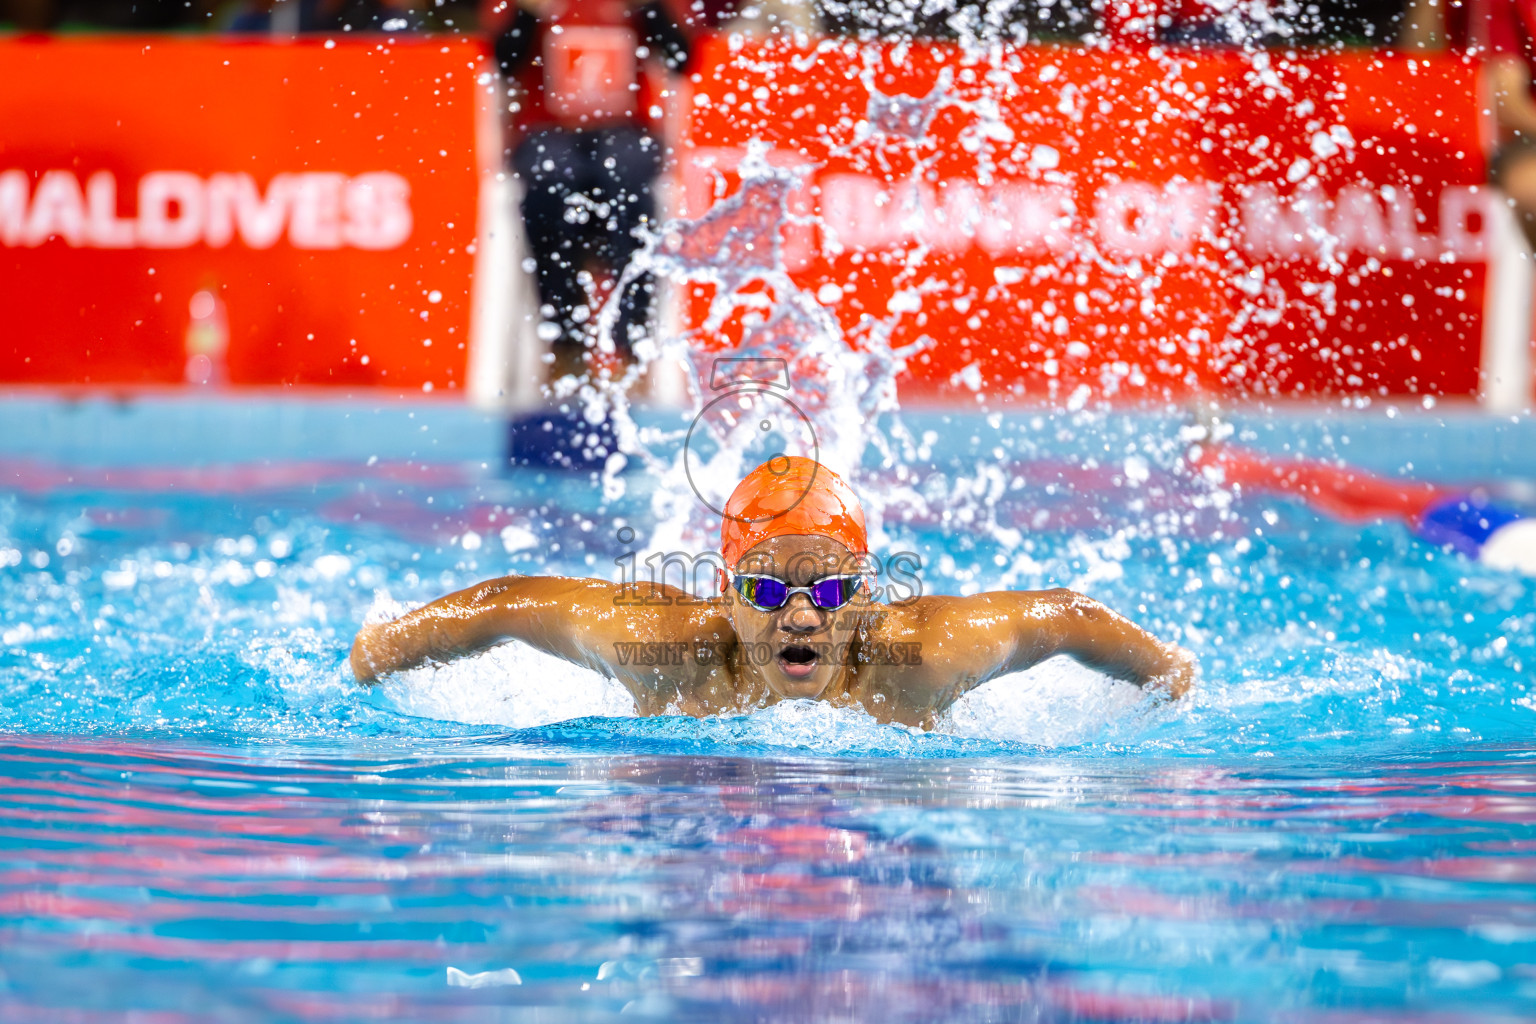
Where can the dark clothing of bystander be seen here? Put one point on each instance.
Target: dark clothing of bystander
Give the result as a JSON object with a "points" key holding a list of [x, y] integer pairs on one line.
{"points": [[588, 154]]}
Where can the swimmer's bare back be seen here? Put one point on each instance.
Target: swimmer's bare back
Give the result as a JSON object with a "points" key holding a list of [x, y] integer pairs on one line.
{"points": [[675, 653]]}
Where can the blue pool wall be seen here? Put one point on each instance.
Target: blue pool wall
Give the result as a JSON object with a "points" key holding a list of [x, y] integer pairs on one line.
{"points": [[1451, 445]]}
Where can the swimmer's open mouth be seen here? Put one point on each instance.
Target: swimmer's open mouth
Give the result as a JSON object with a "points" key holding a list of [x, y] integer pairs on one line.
{"points": [[797, 660]]}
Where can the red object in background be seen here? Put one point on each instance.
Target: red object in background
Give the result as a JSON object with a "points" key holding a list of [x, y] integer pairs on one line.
{"points": [[1352, 495], [302, 213], [583, 66], [1134, 224]]}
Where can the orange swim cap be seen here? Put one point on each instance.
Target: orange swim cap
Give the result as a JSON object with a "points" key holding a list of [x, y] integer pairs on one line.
{"points": [[790, 495]]}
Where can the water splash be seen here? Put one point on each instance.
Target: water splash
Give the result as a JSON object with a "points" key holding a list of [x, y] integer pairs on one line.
{"points": [[510, 686], [733, 256], [842, 386], [900, 118]]}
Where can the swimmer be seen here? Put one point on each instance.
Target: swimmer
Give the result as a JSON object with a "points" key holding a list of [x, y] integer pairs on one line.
{"points": [[797, 620]]}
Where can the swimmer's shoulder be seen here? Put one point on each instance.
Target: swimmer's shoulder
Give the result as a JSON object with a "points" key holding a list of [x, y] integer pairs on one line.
{"points": [[898, 620], [652, 612], [600, 613], [908, 666], [924, 653], [667, 647], [965, 635], [919, 640], [952, 612]]}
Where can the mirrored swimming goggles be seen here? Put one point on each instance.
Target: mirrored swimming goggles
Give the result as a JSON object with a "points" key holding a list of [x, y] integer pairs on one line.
{"points": [[769, 593]]}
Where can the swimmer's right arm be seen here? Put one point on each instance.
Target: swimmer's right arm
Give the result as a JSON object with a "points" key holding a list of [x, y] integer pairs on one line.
{"points": [[579, 620], [463, 623]]}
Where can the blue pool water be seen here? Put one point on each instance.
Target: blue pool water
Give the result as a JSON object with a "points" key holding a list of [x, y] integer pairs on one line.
{"points": [[204, 819]]}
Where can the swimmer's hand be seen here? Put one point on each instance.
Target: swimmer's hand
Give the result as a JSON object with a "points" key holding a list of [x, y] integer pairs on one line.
{"points": [[370, 653], [1094, 635], [463, 623], [1179, 678]]}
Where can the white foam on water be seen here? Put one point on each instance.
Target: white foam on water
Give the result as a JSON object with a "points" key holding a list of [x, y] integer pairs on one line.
{"points": [[1060, 703], [384, 608], [512, 685], [483, 979], [812, 726], [1057, 703]]}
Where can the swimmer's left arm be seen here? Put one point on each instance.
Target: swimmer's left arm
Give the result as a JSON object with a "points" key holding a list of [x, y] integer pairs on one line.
{"points": [[1012, 631], [1063, 621]]}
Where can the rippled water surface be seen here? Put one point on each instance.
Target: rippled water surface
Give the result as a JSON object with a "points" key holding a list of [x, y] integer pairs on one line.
{"points": [[210, 882], [204, 819]]}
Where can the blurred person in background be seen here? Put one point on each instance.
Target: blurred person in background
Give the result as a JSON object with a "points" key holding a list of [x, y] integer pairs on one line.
{"points": [[765, 17], [1503, 32], [1188, 22], [587, 152]]}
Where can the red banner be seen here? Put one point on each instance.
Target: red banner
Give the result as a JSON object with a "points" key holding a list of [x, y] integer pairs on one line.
{"points": [[175, 210], [1064, 223]]}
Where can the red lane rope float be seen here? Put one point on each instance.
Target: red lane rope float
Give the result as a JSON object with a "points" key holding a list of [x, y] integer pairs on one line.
{"points": [[1343, 492]]}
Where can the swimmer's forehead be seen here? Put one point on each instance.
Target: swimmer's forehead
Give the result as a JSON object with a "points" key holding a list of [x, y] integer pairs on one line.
{"points": [[799, 556]]}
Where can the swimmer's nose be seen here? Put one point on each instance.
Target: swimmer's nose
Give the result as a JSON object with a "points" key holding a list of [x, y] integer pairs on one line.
{"points": [[801, 616]]}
